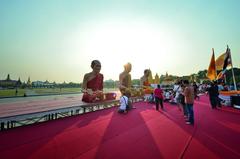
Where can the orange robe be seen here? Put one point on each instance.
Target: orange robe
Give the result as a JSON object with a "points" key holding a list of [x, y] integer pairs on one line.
{"points": [[95, 84]]}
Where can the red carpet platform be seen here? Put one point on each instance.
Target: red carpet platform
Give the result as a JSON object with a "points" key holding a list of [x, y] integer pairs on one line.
{"points": [[142, 133]]}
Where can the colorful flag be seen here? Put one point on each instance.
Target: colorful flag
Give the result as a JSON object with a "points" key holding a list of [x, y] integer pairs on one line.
{"points": [[221, 74], [211, 74], [227, 60], [220, 61]]}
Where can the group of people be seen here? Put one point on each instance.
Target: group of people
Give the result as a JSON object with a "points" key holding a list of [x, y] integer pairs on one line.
{"points": [[185, 96], [92, 89], [183, 93]]}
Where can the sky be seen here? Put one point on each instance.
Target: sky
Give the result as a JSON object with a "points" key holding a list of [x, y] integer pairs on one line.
{"points": [[56, 40]]}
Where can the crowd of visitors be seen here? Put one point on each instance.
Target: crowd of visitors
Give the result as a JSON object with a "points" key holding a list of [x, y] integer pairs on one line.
{"points": [[183, 94]]}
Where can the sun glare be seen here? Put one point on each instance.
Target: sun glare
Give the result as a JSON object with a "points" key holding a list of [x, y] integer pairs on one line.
{"points": [[114, 44]]}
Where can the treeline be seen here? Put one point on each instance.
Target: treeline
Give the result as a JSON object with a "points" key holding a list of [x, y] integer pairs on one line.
{"points": [[199, 77]]}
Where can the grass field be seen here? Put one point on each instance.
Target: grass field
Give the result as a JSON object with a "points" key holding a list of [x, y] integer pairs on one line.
{"points": [[41, 91], [11, 92], [37, 91]]}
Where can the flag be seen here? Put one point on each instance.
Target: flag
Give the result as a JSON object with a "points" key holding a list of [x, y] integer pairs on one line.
{"points": [[221, 75], [220, 61], [225, 62], [227, 59], [211, 73]]}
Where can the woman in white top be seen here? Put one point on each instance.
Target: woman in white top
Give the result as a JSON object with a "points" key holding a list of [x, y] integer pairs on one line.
{"points": [[123, 104]]}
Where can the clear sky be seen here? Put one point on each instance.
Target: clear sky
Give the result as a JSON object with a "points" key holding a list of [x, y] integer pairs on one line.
{"points": [[56, 40]]}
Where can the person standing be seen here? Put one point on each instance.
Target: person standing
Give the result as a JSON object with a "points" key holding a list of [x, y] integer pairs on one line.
{"points": [[189, 100], [158, 93], [181, 100], [195, 87], [179, 96], [213, 94]]}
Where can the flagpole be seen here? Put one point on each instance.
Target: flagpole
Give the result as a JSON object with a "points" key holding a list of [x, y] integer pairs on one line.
{"points": [[234, 81], [225, 78]]}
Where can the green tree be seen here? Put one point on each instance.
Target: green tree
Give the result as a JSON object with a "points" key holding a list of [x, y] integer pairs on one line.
{"points": [[202, 74], [136, 82]]}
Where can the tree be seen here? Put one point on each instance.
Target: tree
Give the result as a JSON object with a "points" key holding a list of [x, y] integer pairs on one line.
{"points": [[202, 74], [109, 83], [136, 82], [229, 76]]}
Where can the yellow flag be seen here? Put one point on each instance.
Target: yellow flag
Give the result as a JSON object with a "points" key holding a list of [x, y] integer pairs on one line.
{"points": [[211, 73], [220, 61], [223, 58]]}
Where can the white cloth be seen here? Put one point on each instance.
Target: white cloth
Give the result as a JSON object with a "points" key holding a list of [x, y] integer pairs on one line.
{"points": [[123, 102], [167, 95], [178, 90], [226, 99]]}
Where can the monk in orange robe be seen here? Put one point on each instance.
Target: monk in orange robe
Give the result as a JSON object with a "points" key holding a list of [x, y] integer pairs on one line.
{"points": [[92, 86]]}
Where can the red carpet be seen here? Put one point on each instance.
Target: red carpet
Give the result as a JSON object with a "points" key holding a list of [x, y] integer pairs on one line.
{"points": [[142, 133]]}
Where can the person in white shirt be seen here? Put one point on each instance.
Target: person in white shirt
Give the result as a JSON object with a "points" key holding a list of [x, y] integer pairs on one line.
{"points": [[123, 104], [167, 96]]}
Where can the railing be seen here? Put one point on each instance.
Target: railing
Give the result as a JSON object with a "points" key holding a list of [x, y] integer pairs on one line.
{"points": [[36, 117]]}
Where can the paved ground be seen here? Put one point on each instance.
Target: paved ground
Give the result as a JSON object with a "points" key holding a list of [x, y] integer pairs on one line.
{"points": [[17, 106]]}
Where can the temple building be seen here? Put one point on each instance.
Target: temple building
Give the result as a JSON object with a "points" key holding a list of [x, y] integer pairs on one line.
{"points": [[168, 80], [8, 83]]}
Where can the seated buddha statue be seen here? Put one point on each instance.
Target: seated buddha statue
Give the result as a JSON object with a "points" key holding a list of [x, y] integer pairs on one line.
{"points": [[144, 79], [125, 81], [144, 82]]}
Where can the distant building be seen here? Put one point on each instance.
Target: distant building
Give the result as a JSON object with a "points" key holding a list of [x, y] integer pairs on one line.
{"points": [[41, 84], [29, 83], [8, 83], [37, 84], [168, 80]]}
